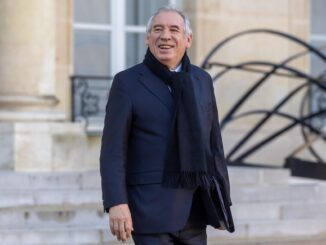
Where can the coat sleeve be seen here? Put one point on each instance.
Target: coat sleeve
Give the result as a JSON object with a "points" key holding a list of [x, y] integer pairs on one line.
{"points": [[218, 149], [113, 156]]}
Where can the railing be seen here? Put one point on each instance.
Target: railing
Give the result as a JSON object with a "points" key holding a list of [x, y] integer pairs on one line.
{"points": [[89, 97]]}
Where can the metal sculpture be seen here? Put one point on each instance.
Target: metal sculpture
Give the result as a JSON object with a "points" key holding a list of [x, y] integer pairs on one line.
{"points": [[309, 128]]}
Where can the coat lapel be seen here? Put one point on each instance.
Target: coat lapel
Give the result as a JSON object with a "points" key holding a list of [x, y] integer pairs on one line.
{"points": [[157, 87]]}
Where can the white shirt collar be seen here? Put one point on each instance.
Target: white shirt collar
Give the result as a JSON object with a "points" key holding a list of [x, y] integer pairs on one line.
{"points": [[177, 69]]}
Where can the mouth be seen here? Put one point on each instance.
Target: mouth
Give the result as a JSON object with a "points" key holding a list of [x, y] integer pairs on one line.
{"points": [[165, 46]]}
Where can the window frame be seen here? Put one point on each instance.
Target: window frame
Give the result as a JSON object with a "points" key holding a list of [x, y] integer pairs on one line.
{"points": [[119, 30]]}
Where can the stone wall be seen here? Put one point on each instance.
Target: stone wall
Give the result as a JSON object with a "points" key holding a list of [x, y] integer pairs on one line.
{"points": [[36, 62], [35, 67], [64, 54]]}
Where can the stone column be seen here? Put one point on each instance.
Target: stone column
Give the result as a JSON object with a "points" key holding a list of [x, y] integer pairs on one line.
{"points": [[34, 134], [27, 71]]}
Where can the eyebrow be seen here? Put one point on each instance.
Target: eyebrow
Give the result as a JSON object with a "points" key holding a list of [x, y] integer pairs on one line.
{"points": [[172, 26], [157, 25], [175, 26]]}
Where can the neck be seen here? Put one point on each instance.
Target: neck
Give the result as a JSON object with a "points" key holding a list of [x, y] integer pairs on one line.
{"points": [[177, 68], [171, 67]]}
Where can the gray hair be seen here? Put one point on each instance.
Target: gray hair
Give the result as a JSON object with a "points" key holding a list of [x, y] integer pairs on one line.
{"points": [[187, 25]]}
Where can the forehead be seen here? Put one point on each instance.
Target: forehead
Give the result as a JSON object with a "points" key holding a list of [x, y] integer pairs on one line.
{"points": [[168, 18]]}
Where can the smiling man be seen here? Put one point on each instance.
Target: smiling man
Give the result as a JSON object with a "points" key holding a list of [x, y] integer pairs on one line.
{"points": [[161, 142], [168, 38]]}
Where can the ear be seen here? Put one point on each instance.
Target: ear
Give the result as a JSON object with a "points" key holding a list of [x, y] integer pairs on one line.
{"points": [[146, 39], [189, 41]]}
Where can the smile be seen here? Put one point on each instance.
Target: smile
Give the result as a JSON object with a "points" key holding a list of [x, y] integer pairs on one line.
{"points": [[165, 46]]}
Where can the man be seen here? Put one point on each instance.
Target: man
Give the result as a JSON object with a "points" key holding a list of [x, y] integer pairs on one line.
{"points": [[158, 147]]}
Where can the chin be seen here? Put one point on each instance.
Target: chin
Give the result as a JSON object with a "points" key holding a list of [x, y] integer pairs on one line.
{"points": [[165, 59], [166, 63]]}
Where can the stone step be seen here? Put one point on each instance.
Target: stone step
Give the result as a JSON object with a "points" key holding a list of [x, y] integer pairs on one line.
{"points": [[299, 191], [65, 208], [92, 214], [259, 233], [84, 235], [283, 240], [52, 216], [258, 176], [257, 211], [55, 180], [272, 228], [91, 179], [306, 193], [279, 211], [304, 211], [25, 198]]}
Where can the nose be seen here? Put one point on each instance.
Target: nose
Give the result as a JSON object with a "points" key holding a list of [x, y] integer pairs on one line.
{"points": [[165, 35]]}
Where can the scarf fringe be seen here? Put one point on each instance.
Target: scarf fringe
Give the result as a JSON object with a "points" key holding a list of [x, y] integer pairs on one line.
{"points": [[187, 180]]}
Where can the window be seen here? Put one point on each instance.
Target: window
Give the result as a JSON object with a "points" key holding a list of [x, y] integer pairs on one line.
{"points": [[109, 35], [92, 37]]}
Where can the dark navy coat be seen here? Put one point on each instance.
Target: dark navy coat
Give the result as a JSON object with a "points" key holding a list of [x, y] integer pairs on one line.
{"points": [[137, 125]]}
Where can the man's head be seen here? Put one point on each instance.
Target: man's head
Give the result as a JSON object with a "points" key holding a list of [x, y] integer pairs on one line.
{"points": [[169, 34]]}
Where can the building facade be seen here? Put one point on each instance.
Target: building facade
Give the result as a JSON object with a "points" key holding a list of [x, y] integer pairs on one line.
{"points": [[57, 60], [44, 44]]}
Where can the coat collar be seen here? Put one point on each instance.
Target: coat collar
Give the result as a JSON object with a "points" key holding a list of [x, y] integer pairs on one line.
{"points": [[156, 86]]}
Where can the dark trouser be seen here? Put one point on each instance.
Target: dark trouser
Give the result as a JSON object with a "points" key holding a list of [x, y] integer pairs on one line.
{"points": [[194, 232], [191, 236]]}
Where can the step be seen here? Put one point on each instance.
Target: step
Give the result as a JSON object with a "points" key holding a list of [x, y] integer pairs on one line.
{"points": [[293, 192], [308, 227], [274, 240], [256, 211], [246, 234], [54, 180], [54, 217], [279, 211], [30, 198], [258, 176], [272, 228], [91, 179], [248, 194], [86, 235], [304, 211], [92, 214]]}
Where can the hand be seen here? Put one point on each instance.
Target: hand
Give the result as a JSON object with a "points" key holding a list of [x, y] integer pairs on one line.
{"points": [[120, 222]]}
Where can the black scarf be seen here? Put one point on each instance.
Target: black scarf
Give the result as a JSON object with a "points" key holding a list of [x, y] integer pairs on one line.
{"points": [[187, 164]]}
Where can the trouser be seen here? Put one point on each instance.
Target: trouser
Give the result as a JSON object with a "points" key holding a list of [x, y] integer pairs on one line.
{"points": [[190, 236], [193, 233]]}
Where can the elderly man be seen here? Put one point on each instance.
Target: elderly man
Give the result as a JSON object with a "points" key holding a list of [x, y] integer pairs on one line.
{"points": [[161, 141]]}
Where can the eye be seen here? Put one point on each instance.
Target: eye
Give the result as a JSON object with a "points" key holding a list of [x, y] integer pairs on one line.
{"points": [[157, 29], [175, 30]]}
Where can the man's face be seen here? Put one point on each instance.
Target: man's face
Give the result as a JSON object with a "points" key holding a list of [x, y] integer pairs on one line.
{"points": [[167, 40]]}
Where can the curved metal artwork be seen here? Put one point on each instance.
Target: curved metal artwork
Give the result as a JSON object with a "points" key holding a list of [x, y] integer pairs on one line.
{"points": [[88, 101], [312, 123], [89, 96]]}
